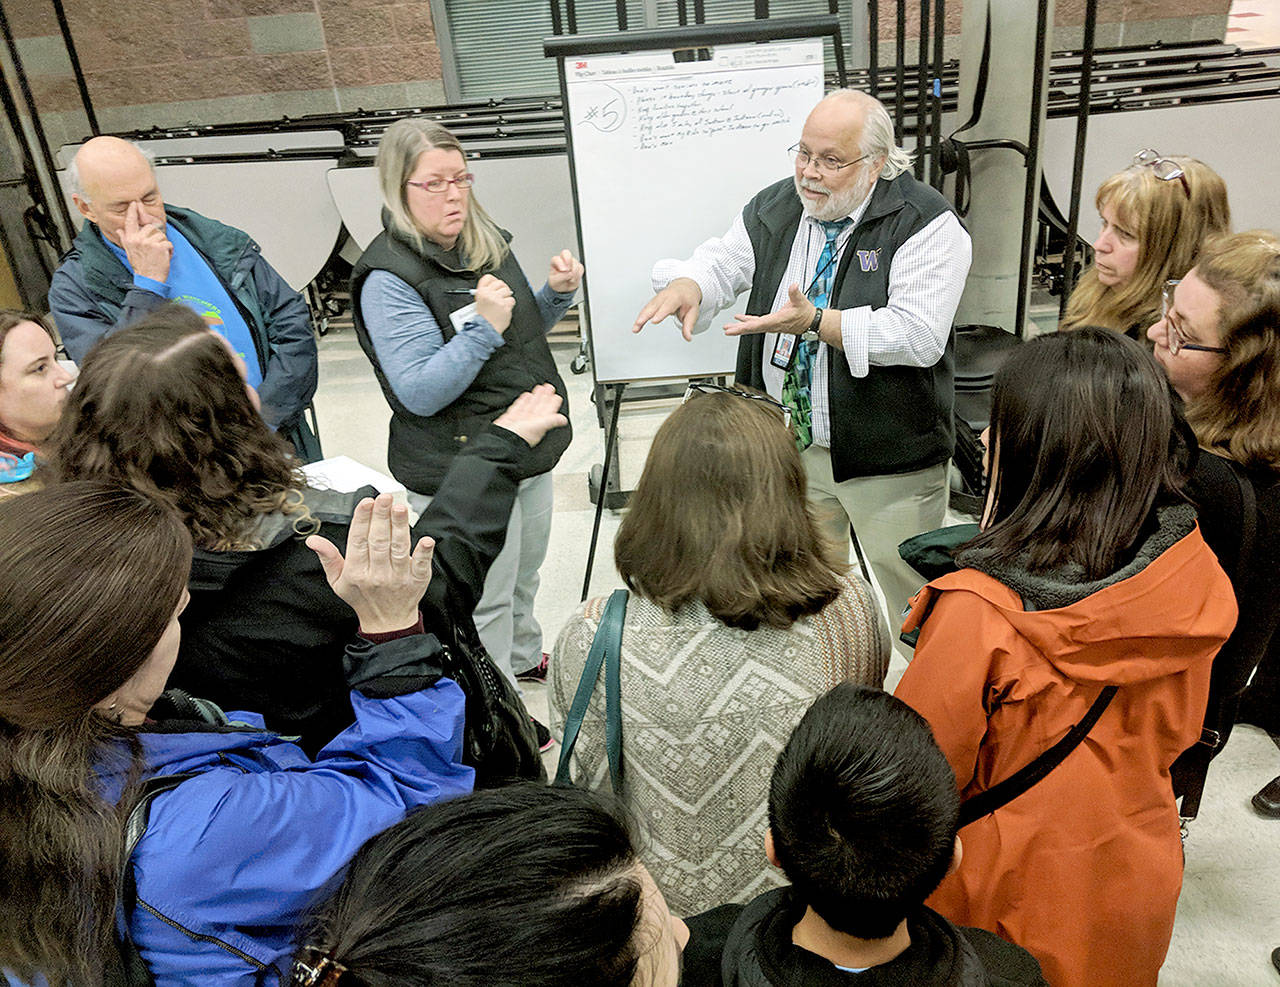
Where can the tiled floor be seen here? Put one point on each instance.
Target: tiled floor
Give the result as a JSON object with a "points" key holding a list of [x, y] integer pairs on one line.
{"points": [[1254, 24], [1229, 913]]}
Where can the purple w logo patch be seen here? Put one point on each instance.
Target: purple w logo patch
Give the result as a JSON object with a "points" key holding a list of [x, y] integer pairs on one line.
{"points": [[869, 260]]}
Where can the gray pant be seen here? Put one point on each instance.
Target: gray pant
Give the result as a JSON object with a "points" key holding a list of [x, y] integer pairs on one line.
{"points": [[885, 511], [504, 615]]}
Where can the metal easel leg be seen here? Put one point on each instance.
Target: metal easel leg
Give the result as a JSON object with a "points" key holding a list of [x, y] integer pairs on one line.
{"points": [[610, 441]]}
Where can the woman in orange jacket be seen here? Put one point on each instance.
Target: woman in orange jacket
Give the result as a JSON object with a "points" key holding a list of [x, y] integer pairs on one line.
{"points": [[1089, 571]]}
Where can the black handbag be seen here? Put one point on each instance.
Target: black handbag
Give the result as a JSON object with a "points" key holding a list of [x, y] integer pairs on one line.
{"points": [[498, 738]]}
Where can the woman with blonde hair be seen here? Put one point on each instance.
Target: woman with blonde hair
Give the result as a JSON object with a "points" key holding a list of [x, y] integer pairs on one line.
{"points": [[737, 620], [161, 408], [1155, 215], [455, 331], [1219, 341]]}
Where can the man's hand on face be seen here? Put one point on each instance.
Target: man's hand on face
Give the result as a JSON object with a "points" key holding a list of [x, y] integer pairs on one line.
{"points": [[148, 249]]}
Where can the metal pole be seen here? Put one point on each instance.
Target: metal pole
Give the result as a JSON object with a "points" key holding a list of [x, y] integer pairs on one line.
{"points": [[621, 7], [1031, 197], [762, 10], [572, 9], [609, 442], [1077, 166], [922, 90], [935, 143], [557, 23], [54, 201], [873, 47], [65, 28], [899, 75]]}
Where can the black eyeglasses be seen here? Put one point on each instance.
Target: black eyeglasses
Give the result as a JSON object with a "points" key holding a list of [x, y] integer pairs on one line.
{"points": [[1173, 332], [1162, 168], [706, 387]]}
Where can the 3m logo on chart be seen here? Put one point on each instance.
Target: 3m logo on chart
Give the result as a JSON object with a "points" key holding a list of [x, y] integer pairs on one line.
{"points": [[869, 260]]}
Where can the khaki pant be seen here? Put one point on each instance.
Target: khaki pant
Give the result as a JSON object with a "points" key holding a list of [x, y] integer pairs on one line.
{"points": [[885, 510]]}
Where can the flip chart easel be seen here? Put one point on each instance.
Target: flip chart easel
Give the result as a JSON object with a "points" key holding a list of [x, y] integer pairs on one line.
{"points": [[670, 133]]}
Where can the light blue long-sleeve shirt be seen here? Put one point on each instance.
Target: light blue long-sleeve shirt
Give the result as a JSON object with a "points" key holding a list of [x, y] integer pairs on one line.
{"points": [[427, 374]]}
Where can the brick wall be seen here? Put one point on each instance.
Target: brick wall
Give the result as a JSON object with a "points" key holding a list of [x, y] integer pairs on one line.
{"points": [[165, 62], [1120, 22]]}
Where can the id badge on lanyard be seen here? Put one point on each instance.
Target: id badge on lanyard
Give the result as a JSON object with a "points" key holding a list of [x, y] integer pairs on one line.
{"points": [[784, 351]]}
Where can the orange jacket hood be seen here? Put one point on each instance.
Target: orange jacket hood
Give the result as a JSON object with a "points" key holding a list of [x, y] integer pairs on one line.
{"points": [[1174, 612]]}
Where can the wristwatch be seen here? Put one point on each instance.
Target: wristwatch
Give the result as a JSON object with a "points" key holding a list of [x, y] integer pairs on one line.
{"points": [[810, 335]]}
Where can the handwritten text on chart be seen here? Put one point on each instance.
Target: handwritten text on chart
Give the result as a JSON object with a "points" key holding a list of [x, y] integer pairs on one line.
{"points": [[668, 111]]}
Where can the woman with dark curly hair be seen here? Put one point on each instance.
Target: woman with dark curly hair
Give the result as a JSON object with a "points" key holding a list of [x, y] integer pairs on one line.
{"points": [[160, 407]]}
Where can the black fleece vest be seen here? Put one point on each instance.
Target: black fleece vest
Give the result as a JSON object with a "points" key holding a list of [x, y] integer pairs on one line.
{"points": [[422, 447], [896, 419]]}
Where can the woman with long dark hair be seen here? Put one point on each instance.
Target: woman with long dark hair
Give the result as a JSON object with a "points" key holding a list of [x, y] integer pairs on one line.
{"points": [[33, 390], [161, 408], [529, 884], [242, 829], [1089, 572], [737, 620]]}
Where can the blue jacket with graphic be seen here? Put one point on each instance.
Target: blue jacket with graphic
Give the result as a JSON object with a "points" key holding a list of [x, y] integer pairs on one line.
{"points": [[92, 294]]}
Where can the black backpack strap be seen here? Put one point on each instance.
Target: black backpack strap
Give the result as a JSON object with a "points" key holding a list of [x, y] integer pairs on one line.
{"points": [[1004, 792], [955, 153], [1191, 768], [133, 969], [1248, 519]]}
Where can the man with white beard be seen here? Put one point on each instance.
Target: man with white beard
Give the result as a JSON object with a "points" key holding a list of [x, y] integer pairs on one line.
{"points": [[855, 270]]}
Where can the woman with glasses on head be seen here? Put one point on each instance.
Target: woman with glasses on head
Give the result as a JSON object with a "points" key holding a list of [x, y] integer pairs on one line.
{"points": [[455, 331], [737, 620], [1089, 572], [1155, 215], [1219, 341]]}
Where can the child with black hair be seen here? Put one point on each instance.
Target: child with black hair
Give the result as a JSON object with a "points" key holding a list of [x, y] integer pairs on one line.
{"points": [[862, 820]]}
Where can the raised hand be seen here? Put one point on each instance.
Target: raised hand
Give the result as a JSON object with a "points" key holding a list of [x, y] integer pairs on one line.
{"points": [[148, 249], [381, 579], [494, 301], [681, 298], [566, 273], [533, 414]]}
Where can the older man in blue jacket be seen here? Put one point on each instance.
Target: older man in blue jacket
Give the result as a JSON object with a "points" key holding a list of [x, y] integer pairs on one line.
{"points": [[134, 254]]}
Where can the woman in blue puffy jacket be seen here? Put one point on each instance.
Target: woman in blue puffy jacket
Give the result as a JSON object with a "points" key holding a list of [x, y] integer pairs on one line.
{"points": [[143, 827]]}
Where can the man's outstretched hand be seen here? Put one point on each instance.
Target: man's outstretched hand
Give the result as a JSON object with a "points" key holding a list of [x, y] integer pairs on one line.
{"points": [[681, 298]]}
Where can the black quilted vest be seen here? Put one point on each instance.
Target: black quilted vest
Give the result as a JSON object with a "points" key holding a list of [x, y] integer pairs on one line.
{"points": [[896, 419], [422, 447]]}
